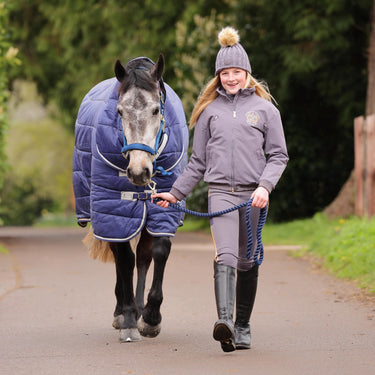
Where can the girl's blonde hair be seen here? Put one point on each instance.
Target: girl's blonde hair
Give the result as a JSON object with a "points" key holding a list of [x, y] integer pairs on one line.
{"points": [[210, 93]]}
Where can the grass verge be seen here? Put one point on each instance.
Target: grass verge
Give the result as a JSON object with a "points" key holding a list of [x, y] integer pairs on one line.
{"points": [[345, 247]]}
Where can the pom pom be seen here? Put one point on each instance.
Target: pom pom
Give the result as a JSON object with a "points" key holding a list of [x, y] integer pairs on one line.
{"points": [[228, 37]]}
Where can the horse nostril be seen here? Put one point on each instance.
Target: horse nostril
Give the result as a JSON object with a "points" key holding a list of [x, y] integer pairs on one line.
{"points": [[129, 173], [146, 174]]}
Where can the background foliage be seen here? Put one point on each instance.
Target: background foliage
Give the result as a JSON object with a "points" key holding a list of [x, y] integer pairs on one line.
{"points": [[316, 68], [39, 152], [312, 53], [7, 59]]}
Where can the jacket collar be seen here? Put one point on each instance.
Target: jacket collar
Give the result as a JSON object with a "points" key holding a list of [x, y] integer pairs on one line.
{"points": [[246, 92]]}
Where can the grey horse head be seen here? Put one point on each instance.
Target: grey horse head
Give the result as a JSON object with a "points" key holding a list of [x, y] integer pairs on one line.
{"points": [[139, 108]]}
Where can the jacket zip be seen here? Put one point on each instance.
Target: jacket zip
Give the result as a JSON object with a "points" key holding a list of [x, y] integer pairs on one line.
{"points": [[233, 135]]}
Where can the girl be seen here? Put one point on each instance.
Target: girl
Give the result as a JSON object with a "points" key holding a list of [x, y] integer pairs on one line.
{"points": [[239, 149]]}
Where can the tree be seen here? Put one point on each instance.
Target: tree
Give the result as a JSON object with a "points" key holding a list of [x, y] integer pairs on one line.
{"points": [[39, 154], [313, 54], [72, 45], [306, 53], [344, 203], [8, 57]]}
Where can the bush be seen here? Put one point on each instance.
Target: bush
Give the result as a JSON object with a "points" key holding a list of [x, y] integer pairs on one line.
{"points": [[39, 152], [7, 59], [22, 205]]}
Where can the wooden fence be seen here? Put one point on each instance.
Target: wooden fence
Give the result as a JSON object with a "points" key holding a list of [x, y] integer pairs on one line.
{"points": [[364, 165]]}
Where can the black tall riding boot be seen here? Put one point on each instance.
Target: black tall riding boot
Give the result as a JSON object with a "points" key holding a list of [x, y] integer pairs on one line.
{"points": [[225, 286], [247, 282]]}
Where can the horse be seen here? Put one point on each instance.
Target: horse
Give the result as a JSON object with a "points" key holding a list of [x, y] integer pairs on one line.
{"points": [[131, 140]]}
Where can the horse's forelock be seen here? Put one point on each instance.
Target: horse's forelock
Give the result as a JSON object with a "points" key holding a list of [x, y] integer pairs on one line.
{"points": [[138, 76]]}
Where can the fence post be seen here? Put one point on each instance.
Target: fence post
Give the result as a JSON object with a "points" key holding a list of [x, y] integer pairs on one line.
{"points": [[359, 167], [364, 165], [370, 165]]}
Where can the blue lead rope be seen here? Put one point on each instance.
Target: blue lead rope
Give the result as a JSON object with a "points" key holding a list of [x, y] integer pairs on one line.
{"points": [[259, 252]]}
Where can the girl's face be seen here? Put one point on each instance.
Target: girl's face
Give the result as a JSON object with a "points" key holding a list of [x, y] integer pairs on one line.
{"points": [[233, 79]]}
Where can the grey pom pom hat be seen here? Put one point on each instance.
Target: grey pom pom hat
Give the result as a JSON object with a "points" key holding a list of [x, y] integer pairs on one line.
{"points": [[231, 56]]}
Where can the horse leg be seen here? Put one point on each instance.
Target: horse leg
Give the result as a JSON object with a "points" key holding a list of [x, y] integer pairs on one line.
{"points": [[126, 320], [149, 323], [118, 314], [144, 258]]}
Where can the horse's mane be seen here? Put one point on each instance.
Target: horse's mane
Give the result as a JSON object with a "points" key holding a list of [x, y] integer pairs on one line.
{"points": [[138, 76]]}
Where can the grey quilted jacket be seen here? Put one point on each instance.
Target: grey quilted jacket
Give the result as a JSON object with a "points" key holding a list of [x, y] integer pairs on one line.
{"points": [[239, 144]]}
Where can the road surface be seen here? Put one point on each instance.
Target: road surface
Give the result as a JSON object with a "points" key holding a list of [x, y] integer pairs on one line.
{"points": [[56, 307]]}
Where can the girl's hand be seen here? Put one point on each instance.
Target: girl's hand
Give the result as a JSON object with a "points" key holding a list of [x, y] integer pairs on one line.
{"points": [[166, 198], [260, 197]]}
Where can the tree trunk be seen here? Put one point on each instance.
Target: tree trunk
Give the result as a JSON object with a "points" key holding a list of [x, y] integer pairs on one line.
{"points": [[344, 204]]}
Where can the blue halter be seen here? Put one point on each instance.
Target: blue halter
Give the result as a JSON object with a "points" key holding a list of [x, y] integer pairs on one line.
{"points": [[142, 147]]}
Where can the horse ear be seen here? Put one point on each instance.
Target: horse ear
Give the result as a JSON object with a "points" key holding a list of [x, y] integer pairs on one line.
{"points": [[120, 71], [158, 68]]}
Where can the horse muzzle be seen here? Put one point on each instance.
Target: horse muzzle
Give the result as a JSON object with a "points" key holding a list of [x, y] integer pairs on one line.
{"points": [[140, 177], [140, 167]]}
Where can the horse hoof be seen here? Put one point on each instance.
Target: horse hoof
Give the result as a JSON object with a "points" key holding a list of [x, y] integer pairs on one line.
{"points": [[118, 321], [147, 330], [129, 335]]}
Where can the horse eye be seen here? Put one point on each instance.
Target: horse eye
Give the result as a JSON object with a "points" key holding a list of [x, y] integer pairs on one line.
{"points": [[155, 111]]}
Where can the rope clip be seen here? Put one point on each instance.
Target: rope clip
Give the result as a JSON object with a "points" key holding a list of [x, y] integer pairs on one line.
{"points": [[152, 186]]}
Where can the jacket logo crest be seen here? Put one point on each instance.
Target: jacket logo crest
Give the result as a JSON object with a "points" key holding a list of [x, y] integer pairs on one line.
{"points": [[252, 117]]}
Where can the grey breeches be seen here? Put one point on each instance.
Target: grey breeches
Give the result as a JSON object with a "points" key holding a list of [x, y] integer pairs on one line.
{"points": [[229, 231]]}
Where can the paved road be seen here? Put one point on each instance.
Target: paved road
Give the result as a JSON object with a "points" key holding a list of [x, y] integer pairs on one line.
{"points": [[56, 309]]}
